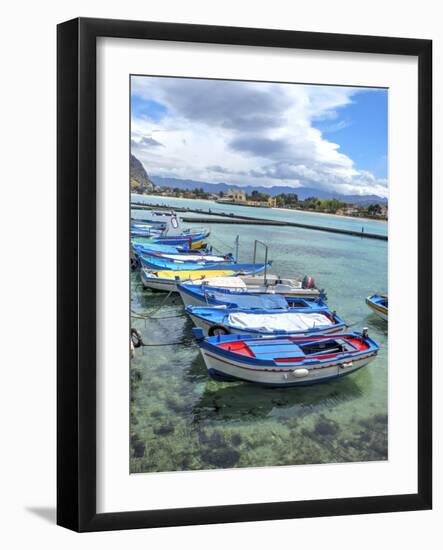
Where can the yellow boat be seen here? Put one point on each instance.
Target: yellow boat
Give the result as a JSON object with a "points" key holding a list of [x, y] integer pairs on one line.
{"points": [[167, 279]]}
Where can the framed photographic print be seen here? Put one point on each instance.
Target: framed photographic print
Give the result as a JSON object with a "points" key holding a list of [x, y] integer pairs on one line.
{"points": [[239, 212]]}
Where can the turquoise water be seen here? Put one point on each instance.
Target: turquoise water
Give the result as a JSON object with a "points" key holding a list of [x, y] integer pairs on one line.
{"points": [[328, 220], [183, 420]]}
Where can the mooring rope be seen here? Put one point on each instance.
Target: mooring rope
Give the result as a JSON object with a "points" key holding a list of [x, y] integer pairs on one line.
{"points": [[138, 343], [165, 344], [146, 317]]}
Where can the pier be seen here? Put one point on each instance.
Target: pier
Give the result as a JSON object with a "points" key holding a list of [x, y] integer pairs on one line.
{"points": [[234, 219]]}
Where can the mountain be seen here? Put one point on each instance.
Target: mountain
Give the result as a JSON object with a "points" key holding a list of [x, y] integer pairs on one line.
{"points": [[302, 192], [140, 181]]}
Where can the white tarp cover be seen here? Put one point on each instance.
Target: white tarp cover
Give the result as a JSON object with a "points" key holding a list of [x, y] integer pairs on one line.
{"points": [[222, 282], [289, 322], [193, 257]]}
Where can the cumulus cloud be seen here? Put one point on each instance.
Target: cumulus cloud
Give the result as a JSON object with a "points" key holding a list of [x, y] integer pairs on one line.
{"points": [[250, 133]]}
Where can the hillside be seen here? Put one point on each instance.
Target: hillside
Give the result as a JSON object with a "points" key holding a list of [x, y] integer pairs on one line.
{"points": [[140, 181]]}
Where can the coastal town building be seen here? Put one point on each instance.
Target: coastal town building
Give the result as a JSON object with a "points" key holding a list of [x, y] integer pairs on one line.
{"points": [[237, 196]]}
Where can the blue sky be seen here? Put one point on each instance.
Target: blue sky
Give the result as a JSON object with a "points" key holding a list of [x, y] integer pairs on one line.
{"points": [[362, 131], [147, 108], [263, 134]]}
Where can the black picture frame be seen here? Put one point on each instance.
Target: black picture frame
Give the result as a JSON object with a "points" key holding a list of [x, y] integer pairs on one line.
{"points": [[76, 281]]}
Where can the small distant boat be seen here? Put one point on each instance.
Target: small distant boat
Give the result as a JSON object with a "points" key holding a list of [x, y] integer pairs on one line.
{"points": [[152, 262], [282, 361], [204, 295], [193, 292], [378, 303], [167, 280], [223, 320]]}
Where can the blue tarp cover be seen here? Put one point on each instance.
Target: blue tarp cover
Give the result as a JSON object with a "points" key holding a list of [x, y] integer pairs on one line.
{"points": [[272, 301]]}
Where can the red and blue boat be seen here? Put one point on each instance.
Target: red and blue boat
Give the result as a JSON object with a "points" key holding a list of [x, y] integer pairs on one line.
{"points": [[282, 361]]}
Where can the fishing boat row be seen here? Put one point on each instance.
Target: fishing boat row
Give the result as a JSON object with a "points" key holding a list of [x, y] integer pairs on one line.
{"points": [[251, 325]]}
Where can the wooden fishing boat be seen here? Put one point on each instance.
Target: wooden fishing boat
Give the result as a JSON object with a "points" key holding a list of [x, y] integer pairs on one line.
{"points": [[148, 226], [167, 280], [152, 262], [191, 240], [224, 320], [147, 248], [193, 291], [187, 257], [283, 361], [378, 303], [204, 295]]}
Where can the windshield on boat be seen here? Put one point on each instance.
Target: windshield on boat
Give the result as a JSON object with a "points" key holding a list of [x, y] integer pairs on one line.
{"points": [[335, 345]]}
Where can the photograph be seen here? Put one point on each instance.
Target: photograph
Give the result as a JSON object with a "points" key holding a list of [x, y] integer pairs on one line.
{"points": [[258, 240]]}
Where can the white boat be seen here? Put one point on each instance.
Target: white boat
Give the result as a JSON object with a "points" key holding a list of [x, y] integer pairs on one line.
{"points": [[167, 280], [225, 320]]}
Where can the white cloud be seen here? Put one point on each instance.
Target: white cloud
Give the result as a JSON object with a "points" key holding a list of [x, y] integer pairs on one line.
{"points": [[247, 134]]}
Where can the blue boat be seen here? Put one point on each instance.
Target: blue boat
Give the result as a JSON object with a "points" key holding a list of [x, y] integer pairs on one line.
{"points": [[153, 263], [378, 303], [143, 248], [192, 240], [223, 320], [137, 231], [203, 295], [285, 361], [192, 256], [147, 227]]}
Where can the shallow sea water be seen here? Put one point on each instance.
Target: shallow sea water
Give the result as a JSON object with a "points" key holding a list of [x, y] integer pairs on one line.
{"points": [[183, 420]]}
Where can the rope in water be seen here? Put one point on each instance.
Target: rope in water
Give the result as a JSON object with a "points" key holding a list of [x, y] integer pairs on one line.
{"points": [[165, 344], [138, 341], [151, 315], [137, 315]]}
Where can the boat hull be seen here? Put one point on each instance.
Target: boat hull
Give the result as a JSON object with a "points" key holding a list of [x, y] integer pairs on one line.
{"points": [[155, 263], [255, 284], [160, 284], [189, 300], [379, 310], [205, 326], [193, 298], [170, 284], [221, 368]]}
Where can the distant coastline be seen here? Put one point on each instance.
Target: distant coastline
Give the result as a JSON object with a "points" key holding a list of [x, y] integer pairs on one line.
{"points": [[215, 203], [331, 214]]}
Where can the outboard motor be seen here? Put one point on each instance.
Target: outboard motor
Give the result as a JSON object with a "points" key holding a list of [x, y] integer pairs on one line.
{"points": [[308, 282]]}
